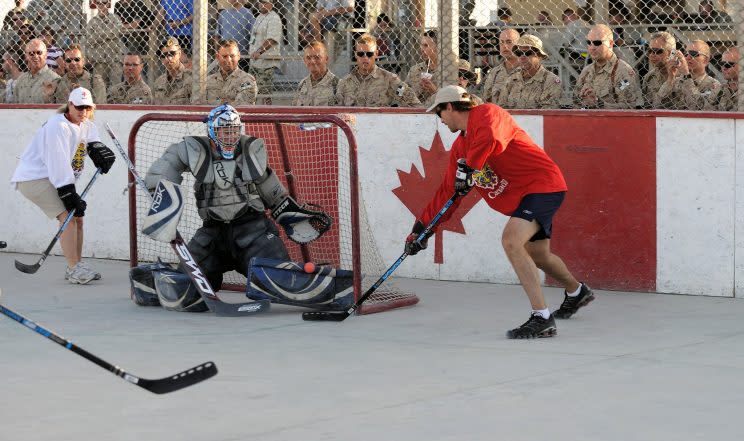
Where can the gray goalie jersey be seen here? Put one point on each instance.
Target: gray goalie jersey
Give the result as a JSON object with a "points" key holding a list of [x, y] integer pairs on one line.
{"points": [[224, 189]]}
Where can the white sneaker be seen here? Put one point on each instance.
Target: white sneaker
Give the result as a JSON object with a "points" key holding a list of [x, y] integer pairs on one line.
{"points": [[97, 275], [79, 275]]}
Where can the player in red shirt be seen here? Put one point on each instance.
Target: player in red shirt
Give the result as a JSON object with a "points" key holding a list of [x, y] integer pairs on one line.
{"points": [[517, 178]]}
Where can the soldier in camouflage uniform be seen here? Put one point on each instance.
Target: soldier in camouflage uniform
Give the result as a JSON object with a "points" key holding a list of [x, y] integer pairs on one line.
{"points": [[468, 80], [103, 43], [230, 84], [532, 86], [424, 77], [266, 38], [608, 82], [174, 86], [728, 96], [38, 84], [319, 87], [661, 54], [688, 86], [497, 76], [133, 90], [76, 76], [371, 86]]}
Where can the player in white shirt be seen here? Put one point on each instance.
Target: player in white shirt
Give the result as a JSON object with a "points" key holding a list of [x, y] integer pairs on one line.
{"points": [[50, 166]]}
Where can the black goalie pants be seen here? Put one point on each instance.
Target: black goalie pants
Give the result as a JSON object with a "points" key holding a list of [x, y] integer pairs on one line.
{"points": [[219, 247]]}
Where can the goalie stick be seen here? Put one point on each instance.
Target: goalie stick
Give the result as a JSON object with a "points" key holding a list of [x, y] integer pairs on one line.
{"points": [[190, 265], [339, 316], [31, 269], [164, 385]]}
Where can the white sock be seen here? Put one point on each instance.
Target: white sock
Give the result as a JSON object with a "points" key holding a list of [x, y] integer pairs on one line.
{"points": [[544, 313], [575, 293]]}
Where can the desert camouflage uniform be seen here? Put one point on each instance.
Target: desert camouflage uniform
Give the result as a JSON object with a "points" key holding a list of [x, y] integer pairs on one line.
{"points": [[29, 89], [175, 90], [615, 85], [92, 82], [124, 93], [414, 81], [495, 80], [728, 99], [652, 82], [104, 47], [378, 89], [689, 94], [238, 88], [320, 93], [542, 91]]}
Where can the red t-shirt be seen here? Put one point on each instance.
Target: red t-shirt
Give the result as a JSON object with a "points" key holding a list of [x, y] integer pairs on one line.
{"points": [[508, 162]]}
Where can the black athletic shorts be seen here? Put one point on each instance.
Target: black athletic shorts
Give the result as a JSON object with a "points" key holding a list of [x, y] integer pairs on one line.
{"points": [[540, 207]]}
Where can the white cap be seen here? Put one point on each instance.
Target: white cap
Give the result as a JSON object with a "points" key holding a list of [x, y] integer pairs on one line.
{"points": [[450, 94], [81, 97]]}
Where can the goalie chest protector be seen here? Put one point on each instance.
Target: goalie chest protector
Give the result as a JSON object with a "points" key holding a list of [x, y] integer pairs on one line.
{"points": [[226, 189]]}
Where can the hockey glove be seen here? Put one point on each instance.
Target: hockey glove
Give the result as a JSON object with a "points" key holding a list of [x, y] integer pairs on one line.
{"points": [[463, 178], [412, 246], [72, 200], [303, 224], [101, 156]]}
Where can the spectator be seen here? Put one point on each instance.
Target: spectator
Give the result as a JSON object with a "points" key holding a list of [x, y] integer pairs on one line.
{"points": [[532, 86], [174, 86], [49, 37], [235, 23], [688, 86], [387, 40], [136, 20], [368, 85], [230, 84], [543, 18], [328, 14], [18, 10], [728, 97], [176, 16], [468, 80], [607, 82], [105, 45], [133, 90], [498, 75], [708, 14], [266, 37], [36, 86], [61, 15], [574, 32], [503, 17], [661, 54], [423, 78], [76, 76], [12, 62], [319, 87]]}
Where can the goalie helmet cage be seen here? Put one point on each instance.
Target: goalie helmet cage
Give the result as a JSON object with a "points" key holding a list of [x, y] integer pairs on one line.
{"points": [[315, 157]]}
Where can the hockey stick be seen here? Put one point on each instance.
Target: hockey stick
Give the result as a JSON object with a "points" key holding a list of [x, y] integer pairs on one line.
{"points": [[31, 269], [160, 386], [339, 316], [189, 263]]}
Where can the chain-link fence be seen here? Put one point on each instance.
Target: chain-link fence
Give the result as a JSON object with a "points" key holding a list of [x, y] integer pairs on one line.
{"points": [[626, 54]]}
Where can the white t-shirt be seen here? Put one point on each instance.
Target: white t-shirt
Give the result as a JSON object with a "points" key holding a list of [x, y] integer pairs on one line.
{"points": [[56, 152]]}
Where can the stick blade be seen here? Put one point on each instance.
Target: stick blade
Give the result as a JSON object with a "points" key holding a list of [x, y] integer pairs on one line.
{"points": [[28, 269], [325, 316], [181, 380], [225, 309]]}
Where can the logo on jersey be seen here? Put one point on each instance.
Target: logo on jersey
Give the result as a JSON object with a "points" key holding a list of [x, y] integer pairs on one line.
{"points": [[78, 159], [486, 178]]}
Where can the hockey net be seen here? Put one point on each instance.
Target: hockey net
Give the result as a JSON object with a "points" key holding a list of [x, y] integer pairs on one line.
{"points": [[315, 156]]}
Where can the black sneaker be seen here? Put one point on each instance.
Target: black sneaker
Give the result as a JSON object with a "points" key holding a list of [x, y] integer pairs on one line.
{"points": [[572, 304], [535, 327]]}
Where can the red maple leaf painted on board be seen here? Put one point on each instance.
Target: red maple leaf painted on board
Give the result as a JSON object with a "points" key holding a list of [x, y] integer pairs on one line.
{"points": [[416, 191]]}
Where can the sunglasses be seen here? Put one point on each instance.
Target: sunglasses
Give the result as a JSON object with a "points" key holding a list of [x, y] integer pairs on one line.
{"points": [[32, 53], [70, 60], [695, 54], [168, 54], [728, 64], [521, 53], [656, 50], [81, 108], [361, 54], [594, 42]]}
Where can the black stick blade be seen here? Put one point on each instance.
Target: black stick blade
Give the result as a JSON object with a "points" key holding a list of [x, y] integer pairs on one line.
{"points": [[28, 269], [325, 316], [178, 381], [225, 309]]}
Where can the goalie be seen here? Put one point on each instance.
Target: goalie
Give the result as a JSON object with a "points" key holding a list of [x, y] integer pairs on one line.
{"points": [[233, 188]]}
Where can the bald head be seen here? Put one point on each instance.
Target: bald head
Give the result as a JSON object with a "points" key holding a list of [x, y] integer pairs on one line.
{"points": [[507, 39]]}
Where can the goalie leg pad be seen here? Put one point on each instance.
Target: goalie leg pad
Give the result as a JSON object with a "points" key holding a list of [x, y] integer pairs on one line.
{"points": [[286, 282], [303, 224], [142, 283], [165, 212], [176, 292]]}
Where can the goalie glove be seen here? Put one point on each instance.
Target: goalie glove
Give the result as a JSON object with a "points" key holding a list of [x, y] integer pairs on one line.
{"points": [[302, 224]]}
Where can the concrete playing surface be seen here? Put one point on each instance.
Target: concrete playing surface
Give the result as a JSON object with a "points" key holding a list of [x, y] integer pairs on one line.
{"points": [[628, 367]]}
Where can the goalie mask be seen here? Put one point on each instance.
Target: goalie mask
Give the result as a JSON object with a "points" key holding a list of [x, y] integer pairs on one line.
{"points": [[224, 129]]}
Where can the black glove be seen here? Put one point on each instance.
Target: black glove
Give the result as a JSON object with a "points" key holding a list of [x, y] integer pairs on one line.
{"points": [[463, 178], [101, 156], [72, 200], [413, 247]]}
